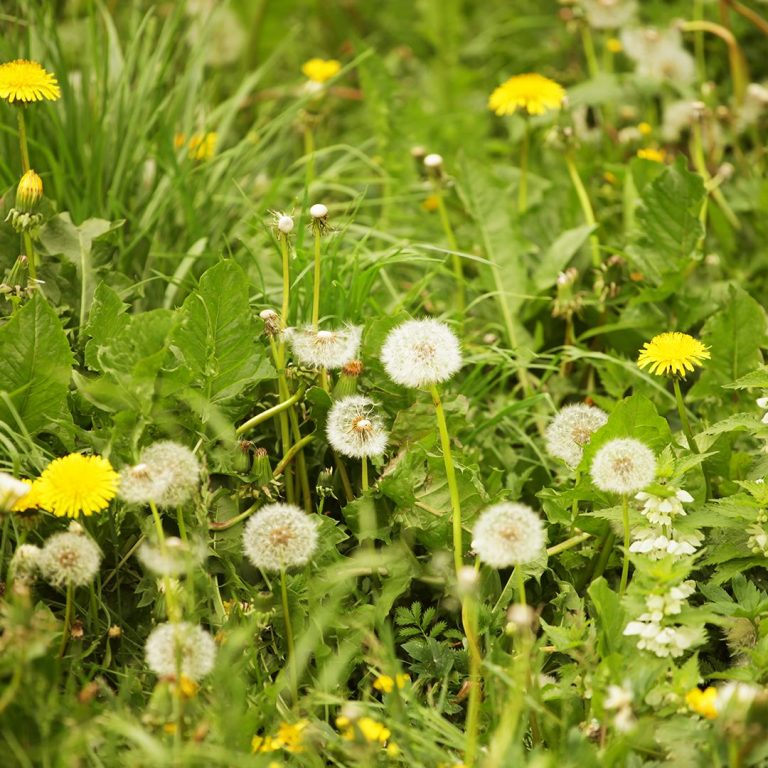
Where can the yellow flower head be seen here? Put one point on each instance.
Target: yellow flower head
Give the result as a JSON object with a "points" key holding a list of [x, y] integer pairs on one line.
{"points": [[613, 44], [386, 684], [201, 146], [366, 727], [646, 129], [76, 484], [703, 702], [534, 93], [289, 737], [23, 80], [672, 353], [29, 501], [321, 70], [654, 155]]}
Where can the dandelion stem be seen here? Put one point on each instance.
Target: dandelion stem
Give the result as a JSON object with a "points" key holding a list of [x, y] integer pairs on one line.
{"points": [[589, 51], [69, 600], [309, 153], [450, 472], [23, 141], [469, 616], [520, 584], [316, 286], [570, 543], [170, 602], [286, 460], [286, 277], [289, 638], [364, 474], [259, 418], [586, 207], [749, 15], [450, 237], [692, 445], [625, 563], [522, 194]]}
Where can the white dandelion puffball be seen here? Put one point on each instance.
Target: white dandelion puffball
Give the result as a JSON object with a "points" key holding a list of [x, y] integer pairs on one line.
{"points": [[420, 353], [571, 429], [173, 645], [318, 211], [69, 559], [325, 349], [280, 536], [433, 161], [508, 534], [623, 466], [11, 490], [354, 429], [167, 474], [285, 223], [175, 558], [25, 563], [609, 14]]}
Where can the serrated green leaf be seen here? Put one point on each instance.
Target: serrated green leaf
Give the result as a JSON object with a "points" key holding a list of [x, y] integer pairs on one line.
{"points": [[37, 367], [106, 321], [757, 378]]}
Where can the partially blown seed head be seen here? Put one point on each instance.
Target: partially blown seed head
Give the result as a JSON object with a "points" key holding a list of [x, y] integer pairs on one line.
{"points": [[354, 428], [571, 429]]}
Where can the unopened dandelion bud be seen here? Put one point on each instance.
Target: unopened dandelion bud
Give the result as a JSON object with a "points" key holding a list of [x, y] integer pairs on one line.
{"points": [[272, 324], [241, 456], [698, 110], [262, 469], [324, 487], [347, 383], [115, 632], [29, 192], [418, 153], [284, 224]]}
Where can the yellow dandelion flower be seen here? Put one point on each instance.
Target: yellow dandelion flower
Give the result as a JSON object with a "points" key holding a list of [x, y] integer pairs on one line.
{"points": [[386, 684], [431, 203], [533, 93], [291, 735], [31, 500], [265, 744], [652, 154], [77, 484], [613, 44], [321, 70], [200, 146], [703, 702], [366, 727], [672, 353], [23, 80], [646, 129]]}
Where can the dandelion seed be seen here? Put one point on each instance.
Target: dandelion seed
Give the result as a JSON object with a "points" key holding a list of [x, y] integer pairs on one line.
{"points": [[354, 428], [533, 93], [420, 353], [623, 466], [77, 484], [672, 354], [12, 491], [508, 534], [280, 536], [180, 646], [69, 559], [26, 81], [325, 349], [321, 70], [167, 474], [571, 430], [659, 55]]}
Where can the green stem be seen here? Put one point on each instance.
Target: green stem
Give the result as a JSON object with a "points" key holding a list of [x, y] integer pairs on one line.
{"points": [[692, 445], [586, 206], [259, 418], [224, 524], [289, 638], [450, 472], [522, 194], [570, 543], [23, 140], [316, 286], [278, 354], [589, 51], [450, 237], [286, 460], [174, 614], [625, 563], [364, 474], [29, 250], [67, 619], [469, 616], [309, 153], [520, 584], [286, 278]]}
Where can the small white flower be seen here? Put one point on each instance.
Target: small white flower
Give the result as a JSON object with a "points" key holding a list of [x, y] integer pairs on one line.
{"points": [[25, 563], [662, 641], [658, 545], [735, 698], [318, 211], [619, 697], [181, 646], [69, 559], [762, 402], [508, 534], [433, 161], [660, 510], [11, 490], [420, 353], [354, 428], [280, 536], [325, 349], [609, 14], [623, 466], [571, 429], [167, 474]]}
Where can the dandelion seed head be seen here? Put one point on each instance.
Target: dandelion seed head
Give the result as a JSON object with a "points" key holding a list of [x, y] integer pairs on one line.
{"points": [[318, 211], [609, 14], [325, 349], [194, 648], [354, 428], [69, 559], [433, 160], [167, 474], [25, 563], [285, 223], [280, 536], [571, 430], [420, 353], [175, 558], [508, 534], [624, 465]]}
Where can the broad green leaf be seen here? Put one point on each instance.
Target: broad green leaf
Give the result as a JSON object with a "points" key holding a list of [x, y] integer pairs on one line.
{"points": [[557, 256], [216, 339], [734, 335], [752, 379], [106, 321], [37, 367], [668, 226]]}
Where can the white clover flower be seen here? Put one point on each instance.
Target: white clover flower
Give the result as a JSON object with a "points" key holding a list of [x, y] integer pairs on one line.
{"points": [[11, 490], [175, 558], [69, 559], [609, 14], [660, 510], [623, 466], [280, 536], [167, 474], [324, 349], [181, 646], [619, 700], [508, 534], [25, 564], [354, 428], [658, 545], [571, 429], [420, 353]]}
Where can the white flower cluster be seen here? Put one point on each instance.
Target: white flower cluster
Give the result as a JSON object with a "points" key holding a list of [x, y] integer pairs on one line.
{"points": [[657, 637], [619, 700], [757, 542], [661, 539]]}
